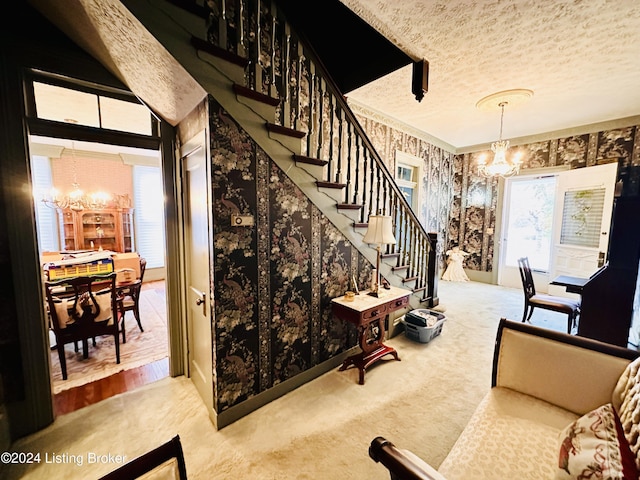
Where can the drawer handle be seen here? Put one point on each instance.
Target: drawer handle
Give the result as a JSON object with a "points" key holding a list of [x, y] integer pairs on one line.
{"points": [[399, 302], [375, 313]]}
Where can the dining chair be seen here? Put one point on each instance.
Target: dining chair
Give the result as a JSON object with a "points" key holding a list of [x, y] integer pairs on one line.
{"points": [[129, 299], [533, 300], [163, 462], [82, 308]]}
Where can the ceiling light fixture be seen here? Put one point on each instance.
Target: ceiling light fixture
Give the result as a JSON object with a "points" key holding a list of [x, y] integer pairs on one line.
{"points": [[76, 199], [501, 165]]}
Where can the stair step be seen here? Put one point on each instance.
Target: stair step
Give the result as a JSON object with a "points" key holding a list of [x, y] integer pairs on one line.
{"points": [[349, 206], [390, 255], [253, 95], [409, 279], [216, 51], [360, 225], [398, 268], [309, 160], [420, 289], [331, 184], [290, 132]]}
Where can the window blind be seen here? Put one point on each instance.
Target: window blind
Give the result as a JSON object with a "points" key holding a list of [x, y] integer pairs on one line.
{"points": [[582, 217], [46, 217], [148, 198]]}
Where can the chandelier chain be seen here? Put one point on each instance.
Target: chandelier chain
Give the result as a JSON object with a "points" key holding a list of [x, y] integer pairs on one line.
{"points": [[501, 105]]}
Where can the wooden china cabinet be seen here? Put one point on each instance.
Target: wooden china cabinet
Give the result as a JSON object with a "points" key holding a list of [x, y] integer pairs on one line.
{"points": [[109, 228]]}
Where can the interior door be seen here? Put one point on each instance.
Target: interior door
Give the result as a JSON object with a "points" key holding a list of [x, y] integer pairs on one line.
{"points": [[197, 267], [584, 205]]}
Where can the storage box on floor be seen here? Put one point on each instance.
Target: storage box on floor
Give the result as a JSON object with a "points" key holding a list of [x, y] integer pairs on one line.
{"points": [[423, 325]]}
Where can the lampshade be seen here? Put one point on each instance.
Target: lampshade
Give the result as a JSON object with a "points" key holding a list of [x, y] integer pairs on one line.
{"points": [[379, 230]]}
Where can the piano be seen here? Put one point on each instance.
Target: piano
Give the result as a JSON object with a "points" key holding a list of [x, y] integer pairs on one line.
{"points": [[608, 296]]}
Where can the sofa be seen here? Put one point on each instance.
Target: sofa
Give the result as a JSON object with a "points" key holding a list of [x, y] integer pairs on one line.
{"points": [[559, 407]]}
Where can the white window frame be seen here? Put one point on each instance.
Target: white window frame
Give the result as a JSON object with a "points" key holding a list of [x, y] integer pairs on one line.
{"points": [[415, 163]]}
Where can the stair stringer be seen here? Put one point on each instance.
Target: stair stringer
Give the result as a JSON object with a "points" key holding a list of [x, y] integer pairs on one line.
{"points": [[174, 31]]}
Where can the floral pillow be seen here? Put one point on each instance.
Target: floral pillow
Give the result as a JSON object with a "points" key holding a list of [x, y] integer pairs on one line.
{"points": [[594, 447]]}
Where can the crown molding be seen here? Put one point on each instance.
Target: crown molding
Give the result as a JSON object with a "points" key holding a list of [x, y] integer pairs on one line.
{"points": [[567, 132], [373, 114]]}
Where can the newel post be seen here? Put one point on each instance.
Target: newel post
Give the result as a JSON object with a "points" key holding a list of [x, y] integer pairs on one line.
{"points": [[432, 272]]}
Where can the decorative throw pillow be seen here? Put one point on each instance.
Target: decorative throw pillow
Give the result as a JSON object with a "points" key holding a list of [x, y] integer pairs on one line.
{"points": [[103, 299], [103, 302], [594, 447], [62, 312]]}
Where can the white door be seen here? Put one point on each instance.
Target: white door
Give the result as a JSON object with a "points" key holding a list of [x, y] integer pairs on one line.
{"points": [[551, 219], [584, 205], [196, 231]]}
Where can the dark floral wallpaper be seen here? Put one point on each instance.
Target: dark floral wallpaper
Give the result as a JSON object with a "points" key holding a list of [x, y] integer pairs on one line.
{"points": [[273, 281], [460, 206]]}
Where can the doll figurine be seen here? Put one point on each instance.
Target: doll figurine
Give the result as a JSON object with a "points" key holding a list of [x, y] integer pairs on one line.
{"points": [[455, 270]]}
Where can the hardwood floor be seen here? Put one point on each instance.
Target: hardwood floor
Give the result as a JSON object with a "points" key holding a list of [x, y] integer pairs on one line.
{"points": [[78, 397]]}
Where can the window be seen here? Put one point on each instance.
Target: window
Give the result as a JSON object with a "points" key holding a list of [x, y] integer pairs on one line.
{"points": [[46, 217], [582, 217], [530, 221], [148, 199], [68, 105], [408, 172]]}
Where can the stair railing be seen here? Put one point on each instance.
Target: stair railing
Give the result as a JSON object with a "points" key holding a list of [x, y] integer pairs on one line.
{"points": [[282, 66]]}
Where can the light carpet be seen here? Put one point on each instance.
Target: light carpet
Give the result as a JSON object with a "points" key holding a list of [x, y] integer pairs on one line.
{"points": [[141, 348], [322, 429]]}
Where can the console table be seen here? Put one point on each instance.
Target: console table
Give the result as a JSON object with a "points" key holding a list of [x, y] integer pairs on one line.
{"points": [[368, 313]]}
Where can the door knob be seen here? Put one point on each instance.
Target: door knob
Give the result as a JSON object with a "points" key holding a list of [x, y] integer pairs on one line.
{"points": [[200, 299]]}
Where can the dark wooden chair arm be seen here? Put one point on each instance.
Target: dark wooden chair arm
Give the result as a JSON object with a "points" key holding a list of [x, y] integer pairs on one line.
{"points": [[400, 466], [147, 462]]}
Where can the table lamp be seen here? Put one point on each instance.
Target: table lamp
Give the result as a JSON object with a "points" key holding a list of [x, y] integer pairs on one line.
{"points": [[379, 232]]}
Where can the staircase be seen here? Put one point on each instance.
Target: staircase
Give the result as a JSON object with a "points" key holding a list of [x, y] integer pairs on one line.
{"points": [[279, 91]]}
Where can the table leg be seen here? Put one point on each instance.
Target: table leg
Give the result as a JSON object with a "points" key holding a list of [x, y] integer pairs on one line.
{"points": [[370, 340]]}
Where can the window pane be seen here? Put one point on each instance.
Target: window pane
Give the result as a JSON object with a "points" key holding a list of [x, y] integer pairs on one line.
{"points": [[404, 173], [407, 192], [582, 217], [125, 116], [149, 214], [46, 217], [72, 106], [530, 222], [65, 105]]}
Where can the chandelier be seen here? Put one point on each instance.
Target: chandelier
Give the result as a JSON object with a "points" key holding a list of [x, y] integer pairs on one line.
{"points": [[76, 199], [501, 165]]}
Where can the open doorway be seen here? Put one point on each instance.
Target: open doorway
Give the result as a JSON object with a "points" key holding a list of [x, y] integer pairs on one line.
{"points": [[560, 221], [102, 197]]}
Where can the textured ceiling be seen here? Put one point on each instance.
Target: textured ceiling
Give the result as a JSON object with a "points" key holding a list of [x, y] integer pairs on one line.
{"points": [[109, 32], [581, 58]]}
